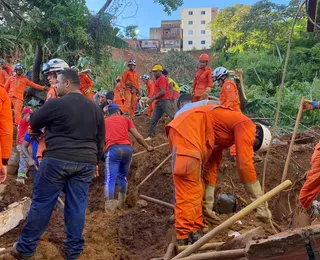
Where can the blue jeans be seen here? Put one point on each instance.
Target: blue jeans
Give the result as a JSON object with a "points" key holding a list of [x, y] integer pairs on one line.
{"points": [[54, 176], [117, 164]]}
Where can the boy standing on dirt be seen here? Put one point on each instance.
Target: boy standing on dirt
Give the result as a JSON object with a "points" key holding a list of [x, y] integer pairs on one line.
{"points": [[21, 131], [118, 154], [75, 141]]}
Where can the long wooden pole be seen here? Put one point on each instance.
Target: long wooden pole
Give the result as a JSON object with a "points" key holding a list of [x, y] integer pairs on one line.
{"points": [[160, 202], [170, 251], [229, 222], [209, 246], [157, 168], [293, 138], [145, 151], [229, 254]]}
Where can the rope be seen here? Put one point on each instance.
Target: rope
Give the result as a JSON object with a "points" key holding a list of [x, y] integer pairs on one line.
{"points": [[280, 92]]}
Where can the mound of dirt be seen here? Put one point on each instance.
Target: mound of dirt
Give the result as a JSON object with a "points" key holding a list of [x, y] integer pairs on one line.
{"points": [[143, 233]]}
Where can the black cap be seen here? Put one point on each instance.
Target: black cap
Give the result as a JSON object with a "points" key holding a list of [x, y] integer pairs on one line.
{"points": [[110, 95], [165, 72]]}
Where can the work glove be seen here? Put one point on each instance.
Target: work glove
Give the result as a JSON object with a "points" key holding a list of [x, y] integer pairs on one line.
{"points": [[204, 96], [192, 91], [46, 88], [208, 90]]}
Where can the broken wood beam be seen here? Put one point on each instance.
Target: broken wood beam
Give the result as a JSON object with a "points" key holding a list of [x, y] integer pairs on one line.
{"points": [[16, 212], [229, 254], [241, 241], [230, 221], [209, 246], [160, 202]]}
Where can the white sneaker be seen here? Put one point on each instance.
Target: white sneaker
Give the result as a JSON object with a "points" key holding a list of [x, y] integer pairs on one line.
{"points": [[148, 138]]}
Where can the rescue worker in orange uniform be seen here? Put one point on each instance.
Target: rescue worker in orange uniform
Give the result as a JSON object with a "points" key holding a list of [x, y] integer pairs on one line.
{"points": [[119, 94], [311, 187], [86, 85], [7, 68], [202, 82], [197, 136], [51, 70], [229, 96], [15, 86], [6, 133], [150, 92], [130, 83], [3, 74]]}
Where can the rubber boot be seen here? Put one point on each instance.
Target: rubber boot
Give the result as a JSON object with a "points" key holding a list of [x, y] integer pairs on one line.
{"points": [[254, 191], [208, 213], [122, 200], [110, 206]]}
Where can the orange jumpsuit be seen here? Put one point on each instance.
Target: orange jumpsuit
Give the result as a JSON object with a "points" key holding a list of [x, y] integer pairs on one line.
{"points": [[202, 80], [130, 82], [3, 77], [119, 96], [190, 149], [15, 86], [151, 92], [229, 97], [86, 86], [6, 127], [52, 92], [231, 127], [311, 187]]}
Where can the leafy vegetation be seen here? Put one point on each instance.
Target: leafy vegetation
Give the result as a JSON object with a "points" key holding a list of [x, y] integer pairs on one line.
{"points": [[255, 38]]}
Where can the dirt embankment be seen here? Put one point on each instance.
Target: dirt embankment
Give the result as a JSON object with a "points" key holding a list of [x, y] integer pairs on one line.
{"points": [[137, 233]]}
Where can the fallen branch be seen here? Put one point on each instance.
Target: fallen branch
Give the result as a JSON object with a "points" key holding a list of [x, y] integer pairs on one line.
{"points": [[160, 202], [230, 221], [157, 168], [229, 254], [209, 246], [170, 251]]}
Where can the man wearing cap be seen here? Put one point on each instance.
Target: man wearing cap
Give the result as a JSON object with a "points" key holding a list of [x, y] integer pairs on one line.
{"points": [[163, 100], [118, 154]]}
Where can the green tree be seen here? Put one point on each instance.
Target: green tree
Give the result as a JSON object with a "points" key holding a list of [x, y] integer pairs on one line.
{"points": [[131, 31]]}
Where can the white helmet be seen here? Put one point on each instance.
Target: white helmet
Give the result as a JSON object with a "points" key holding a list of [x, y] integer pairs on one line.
{"points": [[219, 72], [132, 62], [264, 136], [145, 77], [54, 65]]}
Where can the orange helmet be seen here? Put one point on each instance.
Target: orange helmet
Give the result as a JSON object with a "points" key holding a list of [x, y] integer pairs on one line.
{"points": [[204, 57]]}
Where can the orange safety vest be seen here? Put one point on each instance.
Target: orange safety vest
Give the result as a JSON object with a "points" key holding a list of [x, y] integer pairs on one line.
{"points": [[229, 95]]}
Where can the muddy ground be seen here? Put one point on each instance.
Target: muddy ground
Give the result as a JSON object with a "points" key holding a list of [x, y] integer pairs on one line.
{"points": [[144, 233]]}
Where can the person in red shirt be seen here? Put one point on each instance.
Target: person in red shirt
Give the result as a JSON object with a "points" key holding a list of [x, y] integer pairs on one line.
{"points": [[130, 84], [3, 74], [150, 91], [15, 87], [118, 154], [21, 131], [162, 98]]}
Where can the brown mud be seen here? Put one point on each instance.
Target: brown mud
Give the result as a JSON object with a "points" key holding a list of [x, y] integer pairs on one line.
{"points": [[144, 233]]}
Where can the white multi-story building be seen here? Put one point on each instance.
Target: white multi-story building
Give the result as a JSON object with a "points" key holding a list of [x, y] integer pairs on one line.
{"points": [[195, 29]]}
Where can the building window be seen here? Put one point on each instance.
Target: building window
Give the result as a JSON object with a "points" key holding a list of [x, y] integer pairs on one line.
{"points": [[175, 30], [203, 42], [190, 12], [203, 12], [190, 42], [190, 32], [203, 22], [190, 22], [203, 31]]}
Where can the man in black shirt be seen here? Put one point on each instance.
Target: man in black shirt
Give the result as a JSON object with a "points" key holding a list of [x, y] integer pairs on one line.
{"points": [[74, 144]]}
